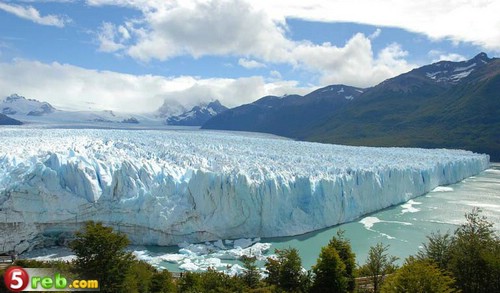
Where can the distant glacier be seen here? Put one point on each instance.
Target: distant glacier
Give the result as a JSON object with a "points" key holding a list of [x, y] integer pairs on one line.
{"points": [[167, 187]]}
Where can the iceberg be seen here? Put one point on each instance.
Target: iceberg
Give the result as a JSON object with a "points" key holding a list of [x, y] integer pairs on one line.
{"points": [[169, 187]]}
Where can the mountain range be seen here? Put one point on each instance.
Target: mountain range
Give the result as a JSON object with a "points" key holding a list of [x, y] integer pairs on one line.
{"points": [[198, 115], [286, 115], [441, 105], [16, 109]]}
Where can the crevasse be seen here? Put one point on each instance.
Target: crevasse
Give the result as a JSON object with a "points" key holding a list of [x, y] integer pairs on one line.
{"points": [[167, 187]]}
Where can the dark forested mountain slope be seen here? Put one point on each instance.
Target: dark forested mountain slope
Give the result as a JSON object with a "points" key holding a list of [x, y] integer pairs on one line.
{"points": [[290, 115], [445, 104], [410, 110]]}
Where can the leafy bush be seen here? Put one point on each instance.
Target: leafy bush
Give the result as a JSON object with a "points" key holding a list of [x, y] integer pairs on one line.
{"points": [[418, 276]]}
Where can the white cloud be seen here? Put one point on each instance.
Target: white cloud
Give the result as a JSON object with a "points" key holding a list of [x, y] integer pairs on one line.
{"points": [[275, 75], [437, 56], [125, 35], [208, 28], [375, 34], [30, 13], [48, 1], [474, 21], [109, 39], [236, 28], [250, 64], [73, 87], [354, 63], [137, 4]]}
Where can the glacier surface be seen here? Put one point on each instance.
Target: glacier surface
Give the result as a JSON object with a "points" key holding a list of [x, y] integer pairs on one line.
{"points": [[168, 187]]}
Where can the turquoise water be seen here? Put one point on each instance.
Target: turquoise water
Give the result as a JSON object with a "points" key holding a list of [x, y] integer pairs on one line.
{"points": [[404, 227]]}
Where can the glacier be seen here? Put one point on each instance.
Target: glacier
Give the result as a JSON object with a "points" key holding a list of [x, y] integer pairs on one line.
{"points": [[169, 187]]}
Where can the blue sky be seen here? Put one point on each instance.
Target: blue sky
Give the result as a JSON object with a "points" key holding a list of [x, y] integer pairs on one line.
{"points": [[132, 55]]}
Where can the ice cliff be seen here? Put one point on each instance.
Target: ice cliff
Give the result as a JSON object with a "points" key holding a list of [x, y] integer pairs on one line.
{"points": [[166, 187]]}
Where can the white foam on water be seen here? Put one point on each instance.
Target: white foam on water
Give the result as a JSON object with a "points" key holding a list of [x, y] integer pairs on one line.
{"points": [[480, 204], [442, 189], [408, 207], [368, 222]]}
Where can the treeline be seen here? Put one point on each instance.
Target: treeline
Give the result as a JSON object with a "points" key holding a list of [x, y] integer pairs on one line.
{"points": [[467, 260]]}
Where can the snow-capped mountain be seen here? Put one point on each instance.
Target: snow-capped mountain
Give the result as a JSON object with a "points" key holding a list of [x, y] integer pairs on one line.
{"points": [[454, 72], [336, 91], [198, 115], [38, 112], [19, 105]]}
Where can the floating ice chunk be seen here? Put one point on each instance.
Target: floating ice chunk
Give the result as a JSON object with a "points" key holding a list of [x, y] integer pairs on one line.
{"points": [[199, 257], [368, 222], [212, 262], [408, 207], [443, 189], [257, 250], [189, 266], [173, 258], [387, 235]]}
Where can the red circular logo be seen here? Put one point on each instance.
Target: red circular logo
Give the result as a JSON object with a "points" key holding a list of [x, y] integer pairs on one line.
{"points": [[16, 279]]}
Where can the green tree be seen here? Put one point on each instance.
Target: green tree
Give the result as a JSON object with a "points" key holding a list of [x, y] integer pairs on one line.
{"points": [[285, 272], [343, 247], [101, 255], [139, 277], [210, 281], [329, 272], [475, 255], [251, 276], [190, 282], [438, 249], [418, 276], [163, 282], [214, 281], [378, 265]]}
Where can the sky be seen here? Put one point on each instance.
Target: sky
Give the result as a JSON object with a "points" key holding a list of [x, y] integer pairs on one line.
{"points": [[134, 55]]}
